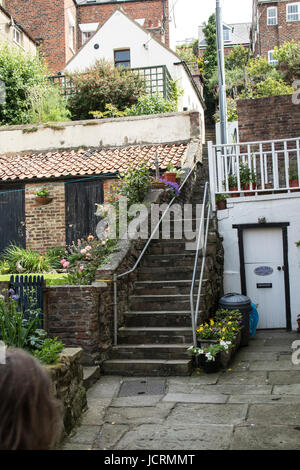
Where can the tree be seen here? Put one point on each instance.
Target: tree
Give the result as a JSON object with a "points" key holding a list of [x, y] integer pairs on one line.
{"points": [[288, 57], [210, 62]]}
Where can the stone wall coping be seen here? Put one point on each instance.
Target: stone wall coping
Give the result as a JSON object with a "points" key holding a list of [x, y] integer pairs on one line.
{"points": [[69, 354]]}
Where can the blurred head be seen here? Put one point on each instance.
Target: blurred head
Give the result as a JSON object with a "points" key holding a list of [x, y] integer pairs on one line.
{"points": [[29, 413]]}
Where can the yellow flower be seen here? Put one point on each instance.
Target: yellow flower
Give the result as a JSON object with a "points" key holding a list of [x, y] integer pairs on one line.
{"points": [[230, 323], [212, 322], [224, 329]]}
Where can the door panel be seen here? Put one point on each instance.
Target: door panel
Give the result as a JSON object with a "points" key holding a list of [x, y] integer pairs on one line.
{"points": [[80, 208], [12, 217], [264, 272]]}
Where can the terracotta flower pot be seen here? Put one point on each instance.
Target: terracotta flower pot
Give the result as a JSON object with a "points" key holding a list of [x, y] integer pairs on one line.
{"points": [[158, 185], [294, 184], [246, 187], [43, 201], [234, 189], [221, 205], [170, 177]]}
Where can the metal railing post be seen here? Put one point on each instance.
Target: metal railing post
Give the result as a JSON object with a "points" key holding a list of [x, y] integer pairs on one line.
{"points": [[115, 279]]}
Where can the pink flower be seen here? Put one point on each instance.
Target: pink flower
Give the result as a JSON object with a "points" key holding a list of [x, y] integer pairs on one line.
{"points": [[83, 251], [103, 243], [66, 264], [88, 248], [63, 261], [81, 268]]}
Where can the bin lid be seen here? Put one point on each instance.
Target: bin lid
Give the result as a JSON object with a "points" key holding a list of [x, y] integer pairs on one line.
{"points": [[234, 300]]}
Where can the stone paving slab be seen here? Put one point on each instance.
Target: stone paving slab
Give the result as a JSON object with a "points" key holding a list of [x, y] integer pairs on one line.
{"points": [[194, 398], [107, 387], [96, 412], [197, 379], [149, 415], [86, 434], [175, 437], [246, 377], [265, 438], [293, 389], [198, 414], [273, 365], [276, 413], [143, 401], [109, 435], [284, 377], [263, 399], [245, 355]]}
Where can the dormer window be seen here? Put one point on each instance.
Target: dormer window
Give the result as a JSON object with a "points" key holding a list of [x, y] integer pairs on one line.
{"points": [[227, 33]]}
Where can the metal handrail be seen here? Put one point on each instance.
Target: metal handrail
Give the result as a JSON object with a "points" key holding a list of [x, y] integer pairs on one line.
{"points": [[119, 276], [195, 311]]}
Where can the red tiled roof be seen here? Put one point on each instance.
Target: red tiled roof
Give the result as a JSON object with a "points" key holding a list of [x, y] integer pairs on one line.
{"points": [[87, 161]]}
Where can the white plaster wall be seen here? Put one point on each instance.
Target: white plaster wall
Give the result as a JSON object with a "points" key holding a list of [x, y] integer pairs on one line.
{"points": [[285, 209], [152, 129], [119, 32]]}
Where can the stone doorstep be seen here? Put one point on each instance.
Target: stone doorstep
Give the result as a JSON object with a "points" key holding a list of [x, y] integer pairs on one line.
{"points": [[91, 374]]}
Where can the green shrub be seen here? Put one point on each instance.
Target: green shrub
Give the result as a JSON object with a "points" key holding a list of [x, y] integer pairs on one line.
{"points": [[49, 351], [19, 71], [104, 84], [135, 183], [47, 104], [151, 104], [25, 260]]}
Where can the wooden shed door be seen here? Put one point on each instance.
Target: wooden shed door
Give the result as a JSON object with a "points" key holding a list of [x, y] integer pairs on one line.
{"points": [[12, 217], [81, 198]]}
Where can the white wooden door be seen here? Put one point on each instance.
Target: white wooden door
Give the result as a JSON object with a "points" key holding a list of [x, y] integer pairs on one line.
{"points": [[263, 251]]}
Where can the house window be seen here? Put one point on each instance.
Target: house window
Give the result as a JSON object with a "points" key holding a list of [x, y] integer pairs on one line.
{"points": [[122, 58], [293, 12], [17, 36], [86, 35], [271, 59], [226, 34], [272, 16], [71, 37]]}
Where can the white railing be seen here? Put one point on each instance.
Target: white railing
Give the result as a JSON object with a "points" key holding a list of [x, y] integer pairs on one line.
{"points": [[254, 168]]}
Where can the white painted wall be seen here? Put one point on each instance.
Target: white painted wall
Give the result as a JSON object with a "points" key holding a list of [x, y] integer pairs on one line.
{"points": [[248, 210], [232, 132], [152, 129], [120, 32]]}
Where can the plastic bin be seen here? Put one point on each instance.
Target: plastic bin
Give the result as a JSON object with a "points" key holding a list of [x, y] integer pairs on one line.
{"points": [[234, 301]]}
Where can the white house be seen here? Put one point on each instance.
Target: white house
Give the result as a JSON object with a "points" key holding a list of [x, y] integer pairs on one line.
{"points": [[124, 41]]}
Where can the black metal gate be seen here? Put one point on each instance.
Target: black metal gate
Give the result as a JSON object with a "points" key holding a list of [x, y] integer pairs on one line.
{"points": [[29, 292], [81, 198], [12, 217]]}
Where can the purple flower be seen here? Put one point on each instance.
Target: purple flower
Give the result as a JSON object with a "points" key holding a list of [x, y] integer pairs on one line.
{"points": [[11, 291], [15, 297]]}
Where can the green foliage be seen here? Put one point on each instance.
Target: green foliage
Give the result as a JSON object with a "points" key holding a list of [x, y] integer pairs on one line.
{"points": [[237, 58], [151, 104], [210, 55], [46, 104], [221, 197], [104, 84], [188, 52], [110, 111], [25, 260], [225, 314], [135, 184], [288, 56], [44, 192], [272, 87], [19, 71], [49, 351], [54, 255], [231, 111]]}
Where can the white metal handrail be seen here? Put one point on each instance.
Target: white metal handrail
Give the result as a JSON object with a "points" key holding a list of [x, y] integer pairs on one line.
{"points": [[119, 276], [195, 310]]}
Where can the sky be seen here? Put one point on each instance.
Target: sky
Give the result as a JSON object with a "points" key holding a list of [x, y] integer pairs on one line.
{"points": [[189, 14]]}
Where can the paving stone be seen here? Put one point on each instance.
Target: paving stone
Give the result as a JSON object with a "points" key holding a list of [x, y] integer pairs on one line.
{"points": [[284, 377], [194, 398], [198, 414], [136, 401], [96, 411], [273, 365], [275, 413], [235, 389], [175, 437], [108, 437], [265, 438], [69, 446], [85, 434], [292, 389], [197, 379], [246, 355], [263, 399], [245, 378], [106, 387], [132, 415]]}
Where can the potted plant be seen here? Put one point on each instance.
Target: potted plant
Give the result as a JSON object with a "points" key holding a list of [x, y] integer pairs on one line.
{"points": [[179, 174], [42, 196], [221, 201], [209, 358], [247, 177], [233, 185], [293, 177], [170, 174], [158, 183]]}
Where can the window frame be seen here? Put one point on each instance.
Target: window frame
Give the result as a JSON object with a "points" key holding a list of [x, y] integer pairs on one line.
{"points": [[229, 31], [85, 39], [272, 17], [17, 32], [287, 12], [119, 63], [273, 61]]}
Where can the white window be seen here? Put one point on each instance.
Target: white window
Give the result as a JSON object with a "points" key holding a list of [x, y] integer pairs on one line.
{"points": [[86, 35], [293, 12], [271, 59], [72, 25], [272, 16], [17, 35], [87, 30], [226, 34]]}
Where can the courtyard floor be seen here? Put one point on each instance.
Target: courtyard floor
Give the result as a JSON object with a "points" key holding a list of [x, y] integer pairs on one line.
{"points": [[254, 405]]}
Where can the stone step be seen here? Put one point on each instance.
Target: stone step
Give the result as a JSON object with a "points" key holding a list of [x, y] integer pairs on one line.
{"points": [[151, 351], [155, 335], [163, 273], [148, 367], [185, 259], [173, 302], [165, 287], [90, 376], [158, 318]]}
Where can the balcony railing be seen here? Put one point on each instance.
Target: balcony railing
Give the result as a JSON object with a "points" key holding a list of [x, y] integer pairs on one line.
{"points": [[157, 80], [255, 168]]}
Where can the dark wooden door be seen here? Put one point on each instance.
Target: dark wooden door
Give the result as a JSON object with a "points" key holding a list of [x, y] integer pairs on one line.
{"points": [[80, 208], [12, 217]]}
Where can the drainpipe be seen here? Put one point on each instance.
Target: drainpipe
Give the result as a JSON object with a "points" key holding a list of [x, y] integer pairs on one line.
{"points": [[221, 73]]}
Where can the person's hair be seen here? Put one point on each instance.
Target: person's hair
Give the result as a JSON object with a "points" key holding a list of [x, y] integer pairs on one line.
{"points": [[29, 413]]}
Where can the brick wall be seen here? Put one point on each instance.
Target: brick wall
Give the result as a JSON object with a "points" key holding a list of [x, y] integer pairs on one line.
{"points": [[45, 225], [275, 35], [46, 20], [151, 10], [268, 119]]}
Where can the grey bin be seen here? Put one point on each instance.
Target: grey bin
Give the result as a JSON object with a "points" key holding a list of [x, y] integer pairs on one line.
{"points": [[242, 303]]}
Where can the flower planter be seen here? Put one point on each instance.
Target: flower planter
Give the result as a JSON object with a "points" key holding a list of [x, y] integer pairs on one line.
{"points": [[235, 188], [294, 184], [43, 201], [246, 188], [170, 177], [210, 367], [267, 186], [221, 205], [158, 185], [225, 356]]}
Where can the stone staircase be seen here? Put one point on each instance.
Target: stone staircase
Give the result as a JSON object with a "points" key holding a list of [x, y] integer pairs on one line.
{"points": [[157, 326]]}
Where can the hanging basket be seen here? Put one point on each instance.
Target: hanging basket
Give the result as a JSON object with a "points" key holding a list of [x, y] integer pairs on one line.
{"points": [[43, 201]]}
